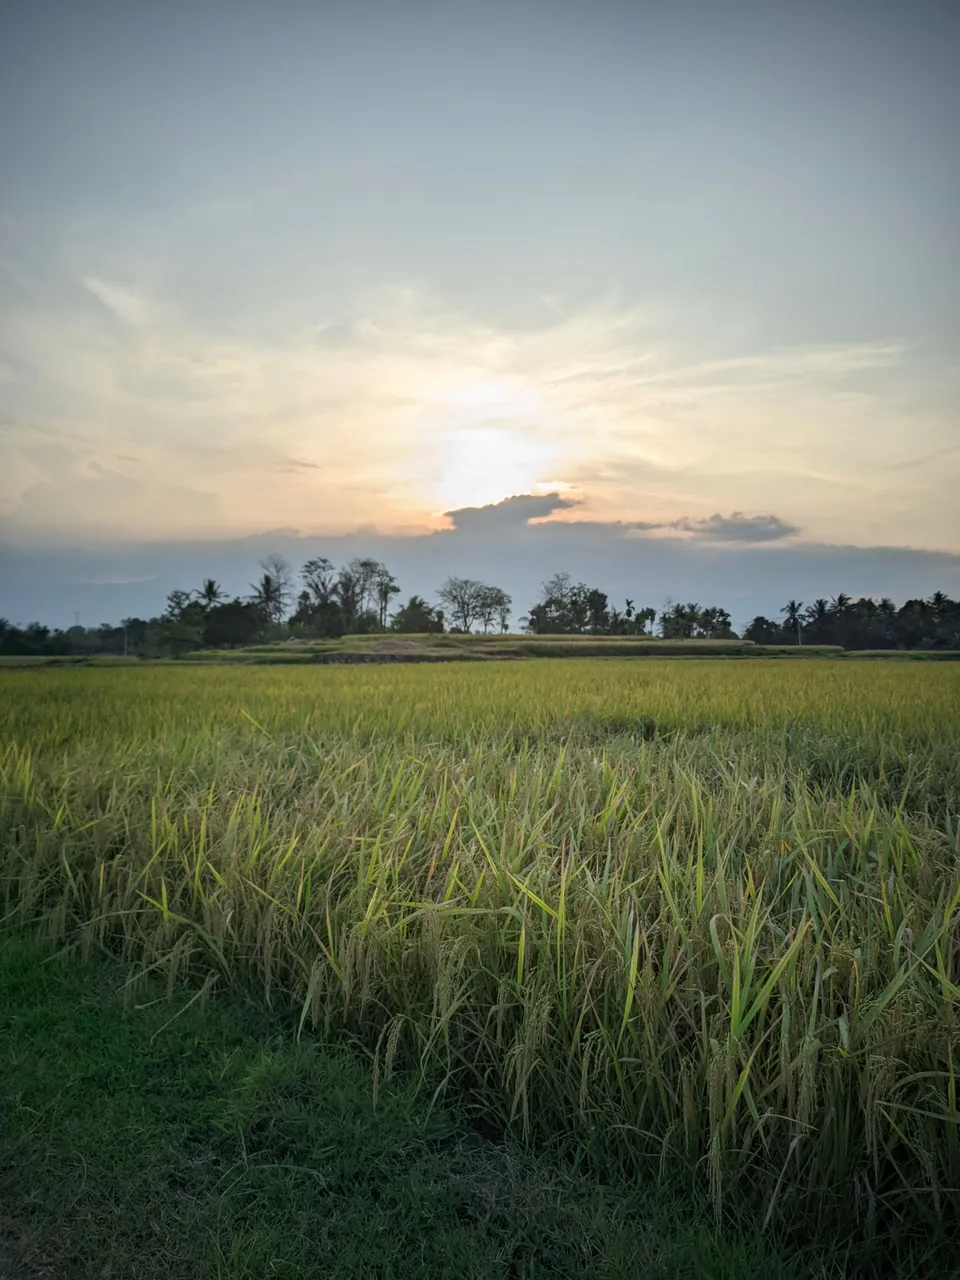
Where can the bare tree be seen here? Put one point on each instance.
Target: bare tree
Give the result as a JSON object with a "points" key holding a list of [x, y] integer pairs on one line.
{"points": [[492, 606], [462, 598]]}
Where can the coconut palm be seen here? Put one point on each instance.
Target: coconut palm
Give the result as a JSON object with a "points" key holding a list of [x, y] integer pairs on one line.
{"points": [[268, 594], [938, 603], [793, 617], [210, 593]]}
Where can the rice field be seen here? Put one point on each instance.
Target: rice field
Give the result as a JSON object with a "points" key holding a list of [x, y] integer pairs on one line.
{"points": [[693, 917]]}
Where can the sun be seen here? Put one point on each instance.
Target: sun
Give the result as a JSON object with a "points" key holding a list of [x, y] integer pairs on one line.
{"points": [[491, 444], [480, 465]]}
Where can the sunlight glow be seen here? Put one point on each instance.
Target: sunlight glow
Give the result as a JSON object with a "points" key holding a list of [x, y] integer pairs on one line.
{"points": [[489, 443], [480, 465]]}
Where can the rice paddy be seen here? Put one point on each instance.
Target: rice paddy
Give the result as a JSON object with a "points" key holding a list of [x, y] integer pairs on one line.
{"points": [[691, 918]]}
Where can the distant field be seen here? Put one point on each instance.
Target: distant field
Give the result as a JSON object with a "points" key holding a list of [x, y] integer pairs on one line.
{"points": [[387, 648], [695, 915]]}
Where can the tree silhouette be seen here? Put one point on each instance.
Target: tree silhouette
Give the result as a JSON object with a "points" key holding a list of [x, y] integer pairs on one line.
{"points": [[793, 617], [268, 595], [462, 596], [210, 593], [277, 581]]}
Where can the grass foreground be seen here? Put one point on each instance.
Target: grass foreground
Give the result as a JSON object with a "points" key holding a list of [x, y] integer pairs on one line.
{"points": [[695, 923], [157, 1138]]}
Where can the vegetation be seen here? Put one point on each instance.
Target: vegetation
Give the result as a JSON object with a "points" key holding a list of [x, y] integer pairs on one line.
{"points": [[864, 624], [354, 600], [184, 1139], [697, 919]]}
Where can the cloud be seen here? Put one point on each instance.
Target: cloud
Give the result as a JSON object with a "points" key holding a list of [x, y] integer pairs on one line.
{"points": [[116, 582], [296, 464], [520, 509], [73, 496], [403, 407], [738, 528], [116, 298], [523, 509]]}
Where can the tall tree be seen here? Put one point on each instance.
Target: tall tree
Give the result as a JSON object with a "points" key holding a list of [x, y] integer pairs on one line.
{"points": [[840, 604], [269, 596], [278, 571], [177, 604], [347, 592], [793, 617], [492, 607], [210, 593], [462, 596], [365, 571], [319, 577], [385, 587], [598, 615], [642, 617]]}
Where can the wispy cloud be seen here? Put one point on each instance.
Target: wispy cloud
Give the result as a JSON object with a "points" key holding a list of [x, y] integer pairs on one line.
{"points": [[116, 298], [410, 409]]}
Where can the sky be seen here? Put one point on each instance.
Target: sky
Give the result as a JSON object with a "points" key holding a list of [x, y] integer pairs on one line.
{"points": [[667, 296]]}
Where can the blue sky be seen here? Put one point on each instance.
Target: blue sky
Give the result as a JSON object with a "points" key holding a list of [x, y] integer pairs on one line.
{"points": [[335, 270]]}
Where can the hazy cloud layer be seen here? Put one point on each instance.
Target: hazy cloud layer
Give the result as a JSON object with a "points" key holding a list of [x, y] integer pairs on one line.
{"points": [[107, 583]]}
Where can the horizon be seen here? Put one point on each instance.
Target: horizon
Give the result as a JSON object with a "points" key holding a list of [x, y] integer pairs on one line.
{"points": [[667, 300]]}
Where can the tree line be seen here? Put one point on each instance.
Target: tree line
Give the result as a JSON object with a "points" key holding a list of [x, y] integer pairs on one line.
{"points": [[866, 623], [356, 598]]}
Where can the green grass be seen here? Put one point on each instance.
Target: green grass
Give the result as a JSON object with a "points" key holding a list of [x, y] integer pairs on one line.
{"points": [[173, 1138], [692, 917]]}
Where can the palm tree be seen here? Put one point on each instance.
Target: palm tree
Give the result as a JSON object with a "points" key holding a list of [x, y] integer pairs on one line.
{"points": [[210, 593], [840, 603], [793, 617], [268, 594], [938, 603]]}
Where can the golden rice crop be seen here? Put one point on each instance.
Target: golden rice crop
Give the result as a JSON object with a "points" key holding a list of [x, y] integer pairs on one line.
{"points": [[699, 914]]}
